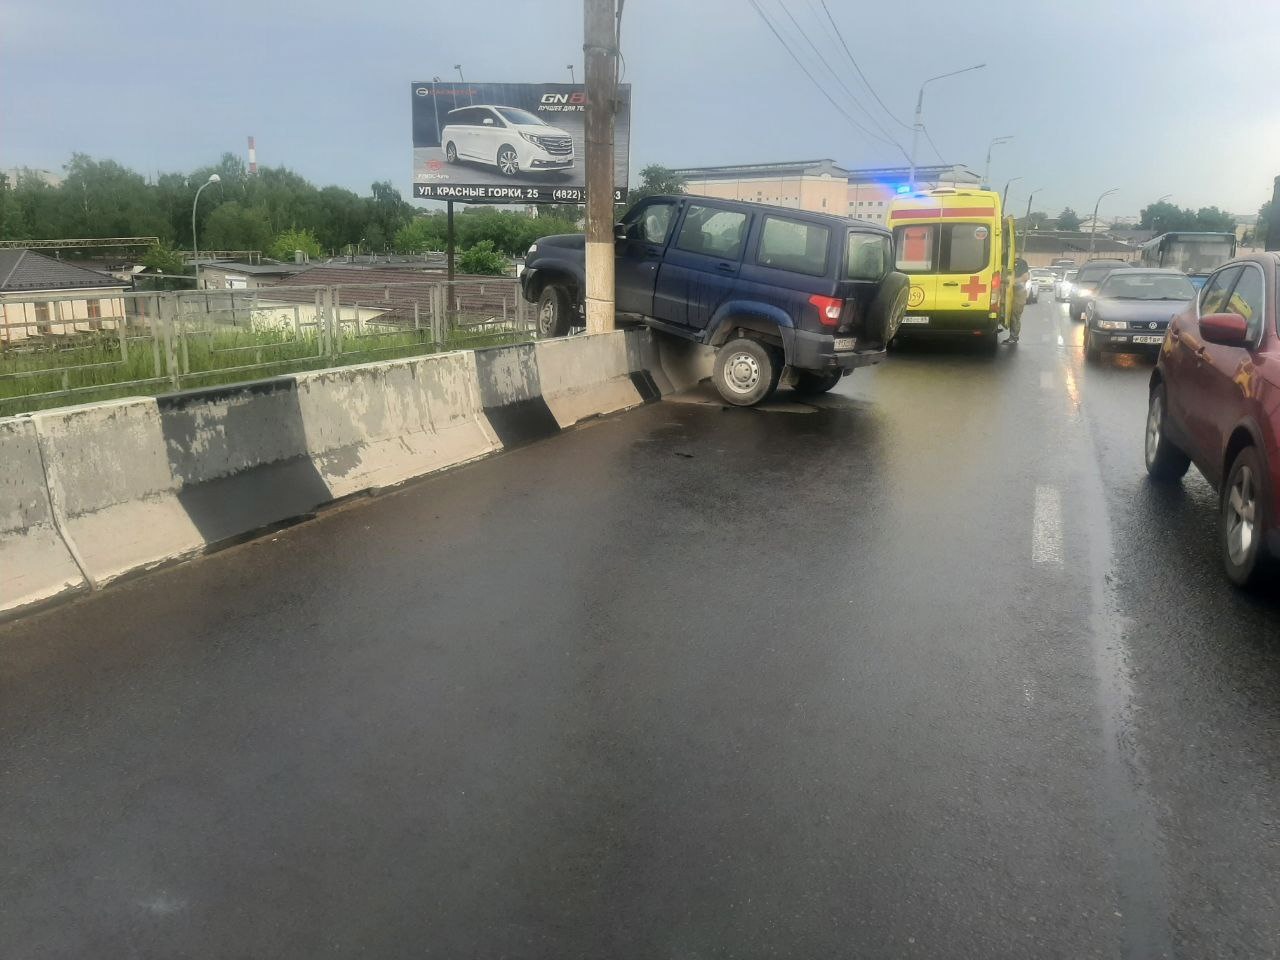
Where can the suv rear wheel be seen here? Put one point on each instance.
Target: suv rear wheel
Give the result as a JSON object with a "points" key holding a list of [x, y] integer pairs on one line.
{"points": [[1165, 462], [1243, 519], [746, 371], [555, 311], [812, 383]]}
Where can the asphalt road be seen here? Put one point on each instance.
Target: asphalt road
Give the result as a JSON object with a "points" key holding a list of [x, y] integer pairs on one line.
{"points": [[922, 669]]}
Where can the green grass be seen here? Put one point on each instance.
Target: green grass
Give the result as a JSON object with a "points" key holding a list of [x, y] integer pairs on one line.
{"points": [[209, 361]]}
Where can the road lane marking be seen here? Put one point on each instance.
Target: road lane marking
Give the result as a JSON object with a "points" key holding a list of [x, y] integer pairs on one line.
{"points": [[1046, 526]]}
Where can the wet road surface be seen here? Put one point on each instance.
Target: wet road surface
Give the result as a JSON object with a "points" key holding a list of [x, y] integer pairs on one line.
{"points": [[922, 668]]}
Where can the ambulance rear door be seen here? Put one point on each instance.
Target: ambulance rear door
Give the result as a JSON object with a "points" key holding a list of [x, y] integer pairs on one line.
{"points": [[915, 254], [968, 252]]}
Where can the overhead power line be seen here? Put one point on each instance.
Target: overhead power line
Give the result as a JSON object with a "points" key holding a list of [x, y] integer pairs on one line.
{"points": [[853, 97], [925, 131], [849, 53], [812, 79]]}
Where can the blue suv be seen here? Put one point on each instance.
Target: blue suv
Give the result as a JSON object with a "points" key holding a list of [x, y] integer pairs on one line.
{"points": [[769, 287]]}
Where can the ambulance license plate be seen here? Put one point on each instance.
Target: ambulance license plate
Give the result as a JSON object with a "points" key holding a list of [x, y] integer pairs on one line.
{"points": [[845, 344], [910, 319], [1148, 339]]}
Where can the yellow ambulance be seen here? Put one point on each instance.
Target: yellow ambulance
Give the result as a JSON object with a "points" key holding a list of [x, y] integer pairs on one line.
{"points": [[951, 244]]}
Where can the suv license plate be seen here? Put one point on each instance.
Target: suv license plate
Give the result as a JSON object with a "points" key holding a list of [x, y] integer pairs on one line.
{"points": [[1145, 339], [844, 344], [915, 319]]}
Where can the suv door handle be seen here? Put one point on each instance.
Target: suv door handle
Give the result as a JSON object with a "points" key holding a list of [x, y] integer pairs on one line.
{"points": [[725, 267], [951, 283]]}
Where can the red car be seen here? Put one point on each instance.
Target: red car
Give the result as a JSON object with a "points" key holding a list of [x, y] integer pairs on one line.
{"points": [[1215, 401]]}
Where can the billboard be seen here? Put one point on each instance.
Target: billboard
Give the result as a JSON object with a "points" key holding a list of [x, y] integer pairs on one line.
{"points": [[509, 142]]}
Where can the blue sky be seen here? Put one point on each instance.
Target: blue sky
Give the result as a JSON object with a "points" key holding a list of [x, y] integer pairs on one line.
{"points": [[1151, 97]]}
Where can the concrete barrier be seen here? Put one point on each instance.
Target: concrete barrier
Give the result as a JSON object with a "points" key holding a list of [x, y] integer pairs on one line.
{"points": [[143, 482], [36, 566], [588, 376], [380, 424], [94, 493]]}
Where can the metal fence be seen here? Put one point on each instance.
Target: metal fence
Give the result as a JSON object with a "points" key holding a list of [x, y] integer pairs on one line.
{"points": [[83, 346]]}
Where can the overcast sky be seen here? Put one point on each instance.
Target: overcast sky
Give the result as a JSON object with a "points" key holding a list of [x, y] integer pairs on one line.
{"points": [[1151, 96]]}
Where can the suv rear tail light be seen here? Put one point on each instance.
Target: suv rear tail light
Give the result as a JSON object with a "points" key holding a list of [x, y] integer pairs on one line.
{"points": [[828, 309]]}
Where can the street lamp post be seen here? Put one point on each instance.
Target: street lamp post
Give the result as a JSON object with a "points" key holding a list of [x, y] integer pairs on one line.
{"points": [[919, 123], [986, 170], [1004, 197], [1030, 196], [571, 79], [195, 247], [1093, 226]]}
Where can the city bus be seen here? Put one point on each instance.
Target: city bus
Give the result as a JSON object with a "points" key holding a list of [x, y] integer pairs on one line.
{"points": [[1195, 254]]}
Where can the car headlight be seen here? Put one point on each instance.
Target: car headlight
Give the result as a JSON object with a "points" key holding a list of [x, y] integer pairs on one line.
{"points": [[533, 248], [532, 138], [1112, 324]]}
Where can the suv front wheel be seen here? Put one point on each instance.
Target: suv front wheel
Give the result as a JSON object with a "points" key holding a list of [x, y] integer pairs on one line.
{"points": [[746, 371], [555, 311]]}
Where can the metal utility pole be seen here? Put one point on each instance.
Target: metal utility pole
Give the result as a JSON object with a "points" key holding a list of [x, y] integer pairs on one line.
{"points": [[1030, 196], [569, 66], [600, 19], [195, 247], [986, 170], [1004, 197], [1093, 226], [919, 122]]}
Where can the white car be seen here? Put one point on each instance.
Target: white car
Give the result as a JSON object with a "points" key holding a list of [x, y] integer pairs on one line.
{"points": [[1063, 291], [511, 139]]}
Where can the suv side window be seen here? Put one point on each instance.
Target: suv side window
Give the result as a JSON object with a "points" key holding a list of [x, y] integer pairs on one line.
{"points": [[868, 256], [1246, 300], [1213, 298], [794, 245], [651, 222], [713, 232]]}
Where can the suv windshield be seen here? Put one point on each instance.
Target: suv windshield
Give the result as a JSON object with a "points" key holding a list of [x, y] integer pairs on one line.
{"points": [[1147, 286], [522, 117]]}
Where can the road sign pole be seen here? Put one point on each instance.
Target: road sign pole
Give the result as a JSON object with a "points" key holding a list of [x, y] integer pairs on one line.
{"points": [[600, 49]]}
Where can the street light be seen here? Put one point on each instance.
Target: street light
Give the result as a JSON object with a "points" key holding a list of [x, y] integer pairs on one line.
{"points": [[986, 171], [919, 124], [1093, 227], [570, 66], [195, 247], [1004, 197], [1027, 218]]}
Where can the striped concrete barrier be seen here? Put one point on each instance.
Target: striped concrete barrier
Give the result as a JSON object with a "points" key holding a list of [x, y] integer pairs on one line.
{"points": [[94, 493]]}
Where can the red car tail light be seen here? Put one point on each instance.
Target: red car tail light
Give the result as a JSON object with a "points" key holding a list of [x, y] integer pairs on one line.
{"points": [[828, 309]]}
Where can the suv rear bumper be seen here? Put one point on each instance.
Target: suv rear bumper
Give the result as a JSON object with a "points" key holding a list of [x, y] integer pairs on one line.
{"points": [[816, 351]]}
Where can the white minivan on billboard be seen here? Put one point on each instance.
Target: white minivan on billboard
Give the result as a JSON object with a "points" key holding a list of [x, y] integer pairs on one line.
{"points": [[509, 138]]}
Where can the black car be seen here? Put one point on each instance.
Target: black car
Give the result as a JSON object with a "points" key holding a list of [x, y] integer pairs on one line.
{"points": [[1132, 308], [770, 287], [1086, 283]]}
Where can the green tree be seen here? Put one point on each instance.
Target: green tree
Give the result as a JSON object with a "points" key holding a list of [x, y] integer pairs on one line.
{"points": [[1264, 219], [482, 258], [286, 244], [12, 226], [236, 226], [656, 179], [162, 258], [1068, 219], [1211, 218], [1163, 217], [422, 233]]}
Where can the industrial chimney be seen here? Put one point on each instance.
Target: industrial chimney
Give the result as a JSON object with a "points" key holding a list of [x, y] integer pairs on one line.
{"points": [[253, 158]]}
